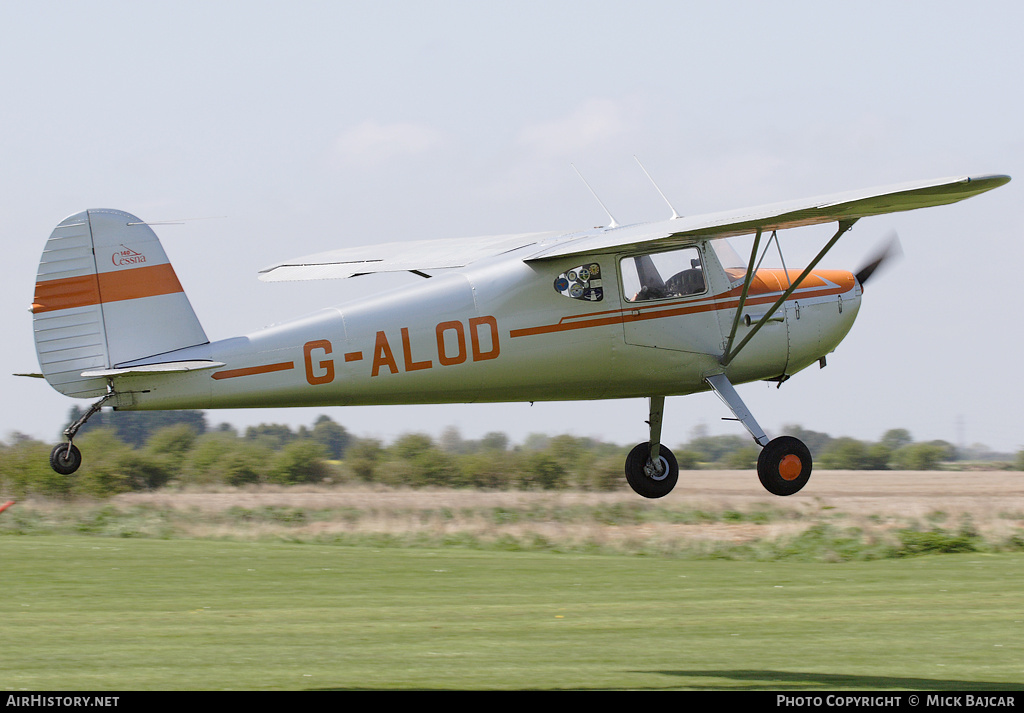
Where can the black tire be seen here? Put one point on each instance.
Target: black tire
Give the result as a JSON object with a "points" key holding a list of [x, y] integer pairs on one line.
{"points": [[784, 466], [65, 458], [657, 486]]}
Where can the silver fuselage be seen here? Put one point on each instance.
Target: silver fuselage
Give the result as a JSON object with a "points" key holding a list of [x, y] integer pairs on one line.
{"points": [[500, 331]]}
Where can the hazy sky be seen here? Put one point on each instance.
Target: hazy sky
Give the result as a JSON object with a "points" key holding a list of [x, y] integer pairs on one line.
{"points": [[306, 126]]}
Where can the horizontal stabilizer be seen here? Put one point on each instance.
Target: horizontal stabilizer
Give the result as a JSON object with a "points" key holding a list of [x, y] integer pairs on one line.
{"points": [[168, 367]]}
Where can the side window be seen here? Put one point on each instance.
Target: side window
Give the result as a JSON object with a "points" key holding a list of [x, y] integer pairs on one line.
{"points": [[582, 282], [657, 276]]}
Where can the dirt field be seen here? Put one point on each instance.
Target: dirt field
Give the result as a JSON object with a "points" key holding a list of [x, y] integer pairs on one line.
{"points": [[875, 503], [877, 491]]}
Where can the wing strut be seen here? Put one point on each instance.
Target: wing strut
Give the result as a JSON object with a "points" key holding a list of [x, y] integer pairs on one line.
{"points": [[743, 298], [731, 353]]}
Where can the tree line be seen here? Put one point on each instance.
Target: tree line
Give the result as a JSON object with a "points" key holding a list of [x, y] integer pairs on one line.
{"points": [[132, 451], [896, 450]]}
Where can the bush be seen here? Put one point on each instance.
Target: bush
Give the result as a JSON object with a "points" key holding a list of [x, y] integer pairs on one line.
{"points": [[542, 470], [715, 449], [851, 454], [919, 456], [25, 470], [687, 459], [173, 443], [744, 458], [364, 457], [433, 467], [332, 436], [107, 465], [410, 445], [147, 471], [298, 462], [915, 542], [205, 463], [605, 474], [493, 469]]}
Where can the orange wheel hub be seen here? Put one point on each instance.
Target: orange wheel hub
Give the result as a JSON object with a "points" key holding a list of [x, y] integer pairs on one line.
{"points": [[790, 467]]}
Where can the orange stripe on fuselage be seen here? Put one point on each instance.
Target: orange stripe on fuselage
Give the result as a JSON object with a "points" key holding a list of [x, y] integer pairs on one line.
{"points": [[86, 290], [765, 288], [251, 370]]}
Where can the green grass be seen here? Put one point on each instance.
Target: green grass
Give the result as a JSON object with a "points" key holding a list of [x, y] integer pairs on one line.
{"points": [[91, 613]]}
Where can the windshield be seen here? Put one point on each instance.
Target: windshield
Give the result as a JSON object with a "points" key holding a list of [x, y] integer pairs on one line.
{"points": [[735, 267]]}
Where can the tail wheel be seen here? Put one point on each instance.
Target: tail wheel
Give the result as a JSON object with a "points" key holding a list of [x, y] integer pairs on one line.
{"points": [[784, 466], [649, 479], [65, 458]]}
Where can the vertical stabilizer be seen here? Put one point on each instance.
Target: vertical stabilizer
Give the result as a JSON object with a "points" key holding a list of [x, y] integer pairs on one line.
{"points": [[106, 294]]}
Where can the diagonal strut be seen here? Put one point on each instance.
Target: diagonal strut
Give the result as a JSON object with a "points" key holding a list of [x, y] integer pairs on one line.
{"points": [[729, 355]]}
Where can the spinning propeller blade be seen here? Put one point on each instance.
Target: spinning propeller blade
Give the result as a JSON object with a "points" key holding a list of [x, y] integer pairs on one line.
{"points": [[890, 249]]}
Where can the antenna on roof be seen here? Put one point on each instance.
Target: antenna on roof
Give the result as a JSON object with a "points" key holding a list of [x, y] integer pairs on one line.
{"points": [[613, 223], [674, 213]]}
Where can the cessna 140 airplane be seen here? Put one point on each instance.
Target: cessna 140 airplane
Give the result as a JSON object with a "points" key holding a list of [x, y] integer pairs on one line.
{"points": [[648, 310]]}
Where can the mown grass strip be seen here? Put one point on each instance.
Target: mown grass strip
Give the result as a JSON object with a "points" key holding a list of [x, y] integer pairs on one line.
{"points": [[92, 613]]}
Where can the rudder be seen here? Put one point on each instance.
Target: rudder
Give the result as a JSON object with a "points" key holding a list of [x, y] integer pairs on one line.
{"points": [[105, 295]]}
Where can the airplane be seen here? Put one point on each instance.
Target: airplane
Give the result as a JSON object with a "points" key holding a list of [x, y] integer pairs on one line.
{"points": [[647, 310]]}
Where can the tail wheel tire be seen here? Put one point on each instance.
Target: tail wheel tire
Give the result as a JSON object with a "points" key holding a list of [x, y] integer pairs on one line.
{"points": [[784, 466], [648, 480], [65, 458]]}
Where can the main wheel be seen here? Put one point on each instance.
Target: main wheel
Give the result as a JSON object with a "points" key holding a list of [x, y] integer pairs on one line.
{"points": [[65, 458], [784, 466], [648, 480]]}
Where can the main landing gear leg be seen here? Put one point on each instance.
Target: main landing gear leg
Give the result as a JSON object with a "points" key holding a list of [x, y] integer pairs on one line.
{"points": [[651, 469], [784, 465], [65, 458]]}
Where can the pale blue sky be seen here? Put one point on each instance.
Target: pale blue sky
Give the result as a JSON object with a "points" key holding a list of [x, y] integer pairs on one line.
{"points": [[315, 125]]}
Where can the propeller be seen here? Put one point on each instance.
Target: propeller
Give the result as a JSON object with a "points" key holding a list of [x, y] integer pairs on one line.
{"points": [[889, 249]]}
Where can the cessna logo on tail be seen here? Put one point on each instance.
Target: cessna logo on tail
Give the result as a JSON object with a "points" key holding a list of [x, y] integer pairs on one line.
{"points": [[127, 256]]}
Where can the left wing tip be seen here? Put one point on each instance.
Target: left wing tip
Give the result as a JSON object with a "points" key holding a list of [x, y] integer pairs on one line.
{"points": [[994, 180]]}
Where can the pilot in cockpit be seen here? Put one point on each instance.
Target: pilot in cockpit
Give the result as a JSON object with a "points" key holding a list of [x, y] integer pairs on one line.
{"points": [[685, 282]]}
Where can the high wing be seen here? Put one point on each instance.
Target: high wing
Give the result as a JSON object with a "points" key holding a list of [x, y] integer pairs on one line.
{"points": [[847, 207], [459, 252]]}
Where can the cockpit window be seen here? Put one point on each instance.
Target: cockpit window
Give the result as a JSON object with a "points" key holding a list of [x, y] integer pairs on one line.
{"points": [[657, 276]]}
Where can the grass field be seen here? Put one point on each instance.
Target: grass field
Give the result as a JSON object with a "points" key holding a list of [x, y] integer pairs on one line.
{"points": [[100, 613]]}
